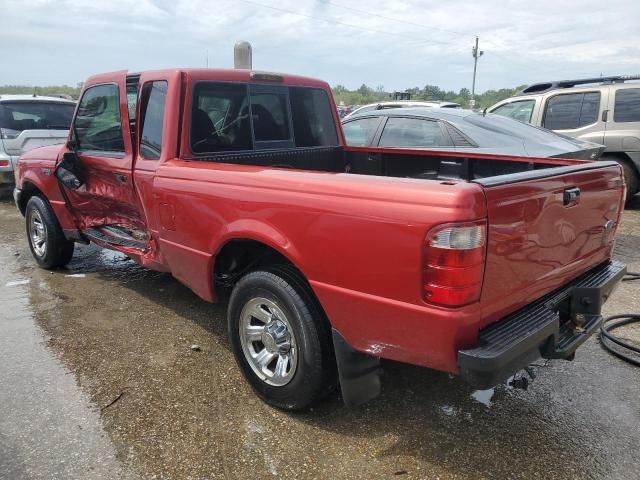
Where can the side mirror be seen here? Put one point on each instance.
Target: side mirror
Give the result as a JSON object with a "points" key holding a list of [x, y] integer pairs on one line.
{"points": [[69, 171]]}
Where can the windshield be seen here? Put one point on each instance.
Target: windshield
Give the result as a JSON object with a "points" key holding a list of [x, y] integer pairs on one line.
{"points": [[27, 115]]}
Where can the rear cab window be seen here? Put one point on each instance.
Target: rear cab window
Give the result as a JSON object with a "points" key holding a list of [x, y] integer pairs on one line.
{"points": [[627, 105], [236, 117], [313, 123], [270, 117], [569, 111], [17, 116]]}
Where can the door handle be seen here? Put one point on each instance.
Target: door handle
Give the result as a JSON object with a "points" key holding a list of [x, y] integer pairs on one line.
{"points": [[605, 115], [120, 178], [571, 196]]}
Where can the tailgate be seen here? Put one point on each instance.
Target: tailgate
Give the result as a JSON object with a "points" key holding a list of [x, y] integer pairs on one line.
{"points": [[545, 228], [30, 139]]}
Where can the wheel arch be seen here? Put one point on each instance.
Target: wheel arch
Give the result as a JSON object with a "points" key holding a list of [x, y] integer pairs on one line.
{"points": [[241, 254], [29, 189]]}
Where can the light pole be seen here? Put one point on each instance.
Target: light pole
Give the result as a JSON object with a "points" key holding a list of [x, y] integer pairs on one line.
{"points": [[476, 54]]}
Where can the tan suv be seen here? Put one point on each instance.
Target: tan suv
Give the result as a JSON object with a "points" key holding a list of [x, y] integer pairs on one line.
{"points": [[603, 110]]}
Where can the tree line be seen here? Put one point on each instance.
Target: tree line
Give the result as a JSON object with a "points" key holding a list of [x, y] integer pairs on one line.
{"points": [[366, 94], [361, 96]]}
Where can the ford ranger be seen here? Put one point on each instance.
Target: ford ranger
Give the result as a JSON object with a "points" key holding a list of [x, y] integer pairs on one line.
{"points": [[331, 257]]}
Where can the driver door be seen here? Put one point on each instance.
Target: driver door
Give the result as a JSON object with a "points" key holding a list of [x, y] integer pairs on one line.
{"points": [[102, 143]]}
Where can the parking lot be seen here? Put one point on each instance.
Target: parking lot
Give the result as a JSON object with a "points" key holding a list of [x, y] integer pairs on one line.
{"points": [[100, 378]]}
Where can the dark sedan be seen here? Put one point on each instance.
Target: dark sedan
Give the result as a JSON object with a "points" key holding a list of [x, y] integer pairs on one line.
{"points": [[462, 130]]}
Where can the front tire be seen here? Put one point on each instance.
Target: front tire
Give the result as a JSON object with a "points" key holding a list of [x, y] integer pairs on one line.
{"points": [[47, 242], [280, 338]]}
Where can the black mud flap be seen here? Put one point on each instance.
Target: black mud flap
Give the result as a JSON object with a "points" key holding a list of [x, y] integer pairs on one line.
{"points": [[359, 373]]}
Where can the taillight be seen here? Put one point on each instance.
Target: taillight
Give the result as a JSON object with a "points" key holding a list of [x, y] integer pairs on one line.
{"points": [[454, 260], [4, 163]]}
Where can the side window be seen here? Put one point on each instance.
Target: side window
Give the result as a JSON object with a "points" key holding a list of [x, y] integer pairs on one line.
{"points": [[270, 118], [520, 110], [359, 133], [220, 118], [154, 95], [573, 110], [313, 123], [132, 100], [412, 132], [97, 123], [627, 105]]}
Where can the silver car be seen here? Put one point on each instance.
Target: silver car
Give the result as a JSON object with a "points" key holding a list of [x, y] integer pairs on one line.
{"points": [[461, 131], [27, 122], [603, 110]]}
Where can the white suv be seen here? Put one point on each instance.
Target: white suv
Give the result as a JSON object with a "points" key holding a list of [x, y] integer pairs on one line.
{"points": [[402, 104], [27, 122], [603, 110]]}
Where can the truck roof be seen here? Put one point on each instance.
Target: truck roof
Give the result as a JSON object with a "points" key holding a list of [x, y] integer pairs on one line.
{"points": [[223, 74]]}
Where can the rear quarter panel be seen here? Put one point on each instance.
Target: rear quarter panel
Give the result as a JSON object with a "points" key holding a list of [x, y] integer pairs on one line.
{"points": [[358, 240]]}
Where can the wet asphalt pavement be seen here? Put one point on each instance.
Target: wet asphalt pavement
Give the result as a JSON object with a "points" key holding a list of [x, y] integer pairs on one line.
{"points": [[98, 380]]}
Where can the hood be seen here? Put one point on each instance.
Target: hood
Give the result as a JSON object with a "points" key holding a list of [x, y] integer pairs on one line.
{"points": [[49, 152]]}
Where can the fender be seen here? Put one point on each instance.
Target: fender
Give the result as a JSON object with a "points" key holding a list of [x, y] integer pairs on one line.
{"points": [[46, 183]]}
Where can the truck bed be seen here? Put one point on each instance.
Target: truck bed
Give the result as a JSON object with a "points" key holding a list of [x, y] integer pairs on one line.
{"points": [[392, 162]]}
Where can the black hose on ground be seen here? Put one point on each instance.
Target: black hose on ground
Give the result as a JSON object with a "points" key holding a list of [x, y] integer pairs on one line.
{"points": [[623, 349]]}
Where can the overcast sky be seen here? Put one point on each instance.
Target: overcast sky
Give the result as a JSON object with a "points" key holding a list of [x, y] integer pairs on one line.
{"points": [[394, 43]]}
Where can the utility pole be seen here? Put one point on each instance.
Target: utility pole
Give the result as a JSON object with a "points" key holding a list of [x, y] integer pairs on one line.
{"points": [[476, 54]]}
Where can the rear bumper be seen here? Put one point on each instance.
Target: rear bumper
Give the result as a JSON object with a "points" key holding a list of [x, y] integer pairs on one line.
{"points": [[551, 327], [6, 178]]}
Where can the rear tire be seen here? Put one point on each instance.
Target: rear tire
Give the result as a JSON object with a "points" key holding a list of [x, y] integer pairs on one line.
{"points": [[630, 175], [272, 316], [47, 242]]}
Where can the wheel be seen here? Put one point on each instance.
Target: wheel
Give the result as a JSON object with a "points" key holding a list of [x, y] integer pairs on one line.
{"points": [[47, 242], [630, 175], [280, 338]]}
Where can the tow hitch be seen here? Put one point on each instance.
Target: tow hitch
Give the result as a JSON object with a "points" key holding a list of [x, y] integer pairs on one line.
{"points": [[521, 382]]}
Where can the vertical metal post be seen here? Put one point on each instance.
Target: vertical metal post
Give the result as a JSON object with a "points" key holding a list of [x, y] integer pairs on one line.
{"points": [[242, 55], [475, 68], [476, 54]]}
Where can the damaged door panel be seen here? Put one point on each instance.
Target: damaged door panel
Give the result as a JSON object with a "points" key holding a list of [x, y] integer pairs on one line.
{"points": [[104, 202]]}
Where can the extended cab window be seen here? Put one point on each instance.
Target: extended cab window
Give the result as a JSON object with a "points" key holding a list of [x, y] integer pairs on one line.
{"points": [[313, 124], [360, 132], [572, 110], [627, 106], [154, 95], [519, 110], [413, 132], [97, 124]]}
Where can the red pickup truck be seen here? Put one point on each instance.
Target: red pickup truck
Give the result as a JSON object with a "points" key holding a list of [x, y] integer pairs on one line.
{"points": [[331, 257]]}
